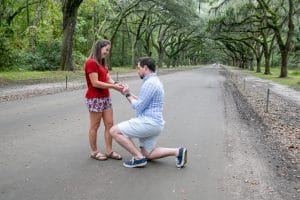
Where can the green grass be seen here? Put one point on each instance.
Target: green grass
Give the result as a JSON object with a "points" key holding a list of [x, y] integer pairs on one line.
{"points": [[18, 76], [52, 76], [46, 76], [122, 69], [25, 75], [293, 79]]}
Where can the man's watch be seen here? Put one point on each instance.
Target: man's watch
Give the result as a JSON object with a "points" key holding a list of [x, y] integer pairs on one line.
{"points": [[127, 95]]}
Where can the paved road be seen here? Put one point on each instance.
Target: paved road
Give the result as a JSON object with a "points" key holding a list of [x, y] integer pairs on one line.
{"points": [[44, 150]]}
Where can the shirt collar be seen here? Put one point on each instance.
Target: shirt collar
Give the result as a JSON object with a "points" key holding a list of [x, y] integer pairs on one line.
{"points": [[148, 76]]}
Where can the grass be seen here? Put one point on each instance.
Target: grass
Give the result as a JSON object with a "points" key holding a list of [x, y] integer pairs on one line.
{"points": [[293, 79], [31, 75], [52, 76], [46, 76]]}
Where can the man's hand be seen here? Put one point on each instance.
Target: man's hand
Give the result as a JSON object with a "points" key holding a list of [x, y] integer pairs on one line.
{"points": [[125, 89], [119, 87]]}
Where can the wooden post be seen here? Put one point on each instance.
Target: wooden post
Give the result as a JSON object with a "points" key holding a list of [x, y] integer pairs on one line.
{"points": [[267, 104]]}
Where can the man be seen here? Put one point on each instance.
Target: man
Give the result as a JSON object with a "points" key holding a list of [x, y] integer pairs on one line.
{"points": [[148, 123]]}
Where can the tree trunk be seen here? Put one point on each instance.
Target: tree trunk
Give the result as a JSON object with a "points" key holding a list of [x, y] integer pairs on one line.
{"points": [[284, 47], [27, 13], [148, 37], [70, 9], [34, 29], [267, 62], [285, 51], [251, 66], [2, 8], [284, 61], [123, 49], [160, 47], [267, 56], [134, 54], [258, 60], [136, 39]]}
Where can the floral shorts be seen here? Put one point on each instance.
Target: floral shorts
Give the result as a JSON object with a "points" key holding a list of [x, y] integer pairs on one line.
{"points": [[98, 104]]}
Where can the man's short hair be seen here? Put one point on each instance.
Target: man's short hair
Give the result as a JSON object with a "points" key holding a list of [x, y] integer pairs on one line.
{"points": [[149, 62]]}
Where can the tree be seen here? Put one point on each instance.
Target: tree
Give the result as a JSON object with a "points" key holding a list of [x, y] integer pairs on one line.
{"points": [[272, 18], [70, 10], [278, 17]]}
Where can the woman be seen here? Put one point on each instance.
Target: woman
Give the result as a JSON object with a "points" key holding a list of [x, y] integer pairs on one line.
{"points": [[98, 99]]}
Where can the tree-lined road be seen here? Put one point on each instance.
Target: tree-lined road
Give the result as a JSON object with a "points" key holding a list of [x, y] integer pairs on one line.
{"points": [[44, 152]]}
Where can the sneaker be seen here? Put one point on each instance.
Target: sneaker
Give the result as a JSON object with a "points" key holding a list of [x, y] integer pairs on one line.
{"points": [[135, 162], [181, 159]]}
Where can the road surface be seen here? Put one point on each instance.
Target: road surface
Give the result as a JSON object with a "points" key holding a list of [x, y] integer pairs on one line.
{"points": [[44, 151]]}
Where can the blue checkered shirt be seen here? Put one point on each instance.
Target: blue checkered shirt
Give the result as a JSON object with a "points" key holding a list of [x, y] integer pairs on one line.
{"points": [[150, 100]]}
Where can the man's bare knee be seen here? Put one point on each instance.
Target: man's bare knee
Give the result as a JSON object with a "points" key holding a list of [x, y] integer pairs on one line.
{"points": [[113, 131]]}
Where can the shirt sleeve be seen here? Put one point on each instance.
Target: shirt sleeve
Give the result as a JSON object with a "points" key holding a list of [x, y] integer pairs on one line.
{"points": [[145, 96], [91, 66]]}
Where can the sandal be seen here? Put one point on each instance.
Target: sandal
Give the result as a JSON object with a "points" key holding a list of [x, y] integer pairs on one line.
{"points": [[98, 156], [114, 155]]}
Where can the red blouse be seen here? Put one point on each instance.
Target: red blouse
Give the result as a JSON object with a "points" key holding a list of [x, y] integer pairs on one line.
{"points": [[92, 92]]}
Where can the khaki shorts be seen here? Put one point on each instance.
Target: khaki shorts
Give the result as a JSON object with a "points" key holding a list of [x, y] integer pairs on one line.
{"points": [[142, 128]]}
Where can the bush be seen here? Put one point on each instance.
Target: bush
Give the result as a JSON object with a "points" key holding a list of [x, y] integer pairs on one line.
{"points": [[46, 57], [294, 60], [49, 53], [78, 59], [25, 60]]}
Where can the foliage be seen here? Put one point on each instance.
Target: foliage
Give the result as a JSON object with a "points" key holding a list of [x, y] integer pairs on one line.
{"points": [[5, 47], [249, 30], [79, 60], [174, 32], [46, 57]]}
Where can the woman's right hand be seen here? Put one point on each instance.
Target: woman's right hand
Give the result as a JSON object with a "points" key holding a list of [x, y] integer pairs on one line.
{"points": [[119, 87]]}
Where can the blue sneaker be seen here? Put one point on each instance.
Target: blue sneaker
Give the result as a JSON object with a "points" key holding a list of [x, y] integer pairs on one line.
{"points": [[135, 162], [181, 159]]}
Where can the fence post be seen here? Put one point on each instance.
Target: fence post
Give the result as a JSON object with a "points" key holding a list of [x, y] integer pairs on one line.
{"points": [[267, 104], [66, 81]]}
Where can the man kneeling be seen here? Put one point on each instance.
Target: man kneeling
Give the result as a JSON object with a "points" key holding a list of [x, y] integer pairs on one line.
{"points": [[148, 123]]}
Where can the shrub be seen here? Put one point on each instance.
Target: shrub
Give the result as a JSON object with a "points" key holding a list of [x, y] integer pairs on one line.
{"points": [[49, 54], [78, 59]]}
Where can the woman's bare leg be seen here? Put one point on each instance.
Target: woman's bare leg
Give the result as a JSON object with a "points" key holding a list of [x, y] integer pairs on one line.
{"points": [[108, 123], [95, 119]]}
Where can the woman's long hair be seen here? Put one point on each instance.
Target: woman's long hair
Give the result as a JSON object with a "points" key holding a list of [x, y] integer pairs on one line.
{"points": [[96, 51]]}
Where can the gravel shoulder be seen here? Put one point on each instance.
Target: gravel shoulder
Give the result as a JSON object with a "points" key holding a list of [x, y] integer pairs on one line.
{"points": [[263, 143]]}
